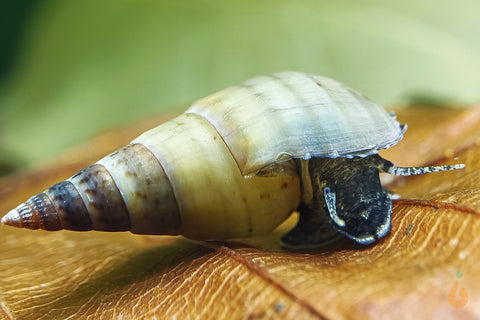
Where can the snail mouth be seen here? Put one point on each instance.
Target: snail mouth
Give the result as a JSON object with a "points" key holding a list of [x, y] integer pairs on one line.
{"points": [[365, 226], [370, 237]]}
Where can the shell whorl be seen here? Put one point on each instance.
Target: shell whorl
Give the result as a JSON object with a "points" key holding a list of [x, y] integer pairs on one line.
{"points": [[215, 200]]}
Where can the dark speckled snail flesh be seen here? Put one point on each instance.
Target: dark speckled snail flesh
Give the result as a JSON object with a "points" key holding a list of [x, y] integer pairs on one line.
{"points": [[237, 164]]}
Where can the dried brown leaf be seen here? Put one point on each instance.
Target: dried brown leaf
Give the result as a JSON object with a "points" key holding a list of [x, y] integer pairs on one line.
{"points": [[408, 274]]}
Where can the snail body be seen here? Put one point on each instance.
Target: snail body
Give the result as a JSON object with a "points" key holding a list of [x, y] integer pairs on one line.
{"points": [[236, 164]]}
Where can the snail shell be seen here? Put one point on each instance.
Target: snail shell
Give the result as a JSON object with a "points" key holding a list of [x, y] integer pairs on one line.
{"points": [[225, 168]]}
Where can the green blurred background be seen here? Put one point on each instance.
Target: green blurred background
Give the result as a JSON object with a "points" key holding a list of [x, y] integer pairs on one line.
{"points": [[69, 69]]}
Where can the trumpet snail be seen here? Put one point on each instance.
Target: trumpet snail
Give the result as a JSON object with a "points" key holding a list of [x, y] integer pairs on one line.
{"points": [[237, 163]]}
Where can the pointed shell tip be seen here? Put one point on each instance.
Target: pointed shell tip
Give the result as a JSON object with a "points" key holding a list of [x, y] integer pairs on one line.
{"points": [[12, 218]]}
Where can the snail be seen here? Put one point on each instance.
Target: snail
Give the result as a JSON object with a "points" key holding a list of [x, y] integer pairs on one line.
{"points": [[237, 163]]}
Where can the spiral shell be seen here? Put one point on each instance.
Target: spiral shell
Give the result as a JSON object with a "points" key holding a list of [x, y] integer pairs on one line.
{"points": [[229, 166]]}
